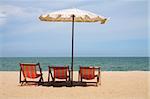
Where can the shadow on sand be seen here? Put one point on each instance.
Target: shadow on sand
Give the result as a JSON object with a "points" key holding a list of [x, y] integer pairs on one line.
{"points": [[62, 84], [68, 84]]}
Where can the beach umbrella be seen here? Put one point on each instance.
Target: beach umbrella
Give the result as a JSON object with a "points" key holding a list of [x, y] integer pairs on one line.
{"points": [[72, 15]]}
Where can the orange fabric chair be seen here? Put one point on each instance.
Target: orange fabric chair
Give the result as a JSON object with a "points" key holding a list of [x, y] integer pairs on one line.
{"points": [[88, 73], [59, 72], [29, 70]]}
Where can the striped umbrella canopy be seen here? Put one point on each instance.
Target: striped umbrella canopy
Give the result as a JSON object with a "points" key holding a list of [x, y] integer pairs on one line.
{"points": [[72, 15]]}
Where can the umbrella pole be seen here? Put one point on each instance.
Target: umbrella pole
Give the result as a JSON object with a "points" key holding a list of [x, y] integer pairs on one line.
{"points": [[72, 49]]}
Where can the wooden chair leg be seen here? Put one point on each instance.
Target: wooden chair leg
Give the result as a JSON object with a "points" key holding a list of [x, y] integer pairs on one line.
{"points": [[42, 79], [69, 78], [78, 77], [97, 79], [21, 83], [81, 79], [24, 81], [48, 76], [100, 81], [96, 84], [20, 76], [99, 76], [69, 75]]}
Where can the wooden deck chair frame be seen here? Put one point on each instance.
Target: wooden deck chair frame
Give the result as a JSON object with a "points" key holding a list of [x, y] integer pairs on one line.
{"points": [[37, 75], [95, 68], [54, 69]]}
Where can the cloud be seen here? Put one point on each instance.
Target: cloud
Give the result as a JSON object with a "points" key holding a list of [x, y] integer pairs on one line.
{"points": [[2, 21], [11, 11], [2, 18]]}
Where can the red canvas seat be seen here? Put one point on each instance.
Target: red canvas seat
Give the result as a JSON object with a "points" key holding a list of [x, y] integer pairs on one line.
{"points": [[59, 72], [29, 70], [89, 73]]}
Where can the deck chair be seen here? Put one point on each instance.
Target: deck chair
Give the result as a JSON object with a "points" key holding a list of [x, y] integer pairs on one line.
{"points": [[89, 73], [30, 71], [59, 72]]}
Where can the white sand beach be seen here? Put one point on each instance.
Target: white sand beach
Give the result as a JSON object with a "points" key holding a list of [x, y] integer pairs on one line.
{"points": [[115, 85]]}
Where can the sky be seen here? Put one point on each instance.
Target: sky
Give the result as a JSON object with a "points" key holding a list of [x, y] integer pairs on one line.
{"points": [[22, 34]]}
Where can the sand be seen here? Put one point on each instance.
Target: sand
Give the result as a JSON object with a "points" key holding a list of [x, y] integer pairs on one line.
{"points": [[115, 85]]}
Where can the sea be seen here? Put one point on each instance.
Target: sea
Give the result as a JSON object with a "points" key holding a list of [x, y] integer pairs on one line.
{"points": [[106, 63]]}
